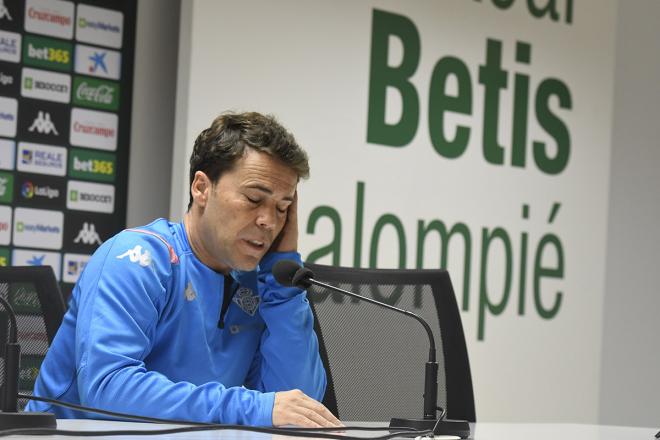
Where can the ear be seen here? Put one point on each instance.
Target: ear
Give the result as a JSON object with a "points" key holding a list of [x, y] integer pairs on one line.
{"points": [[201, 189]]}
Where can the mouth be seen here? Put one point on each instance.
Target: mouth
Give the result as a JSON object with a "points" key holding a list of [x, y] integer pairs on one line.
{"points": [[256, 245]]}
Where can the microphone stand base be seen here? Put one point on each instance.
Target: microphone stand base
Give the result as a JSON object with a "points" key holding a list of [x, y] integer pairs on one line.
{"points": [[459, 428], [20, 420]]}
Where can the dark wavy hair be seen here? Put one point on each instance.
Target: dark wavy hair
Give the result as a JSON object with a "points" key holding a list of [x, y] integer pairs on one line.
{"points": [[219, 147]]}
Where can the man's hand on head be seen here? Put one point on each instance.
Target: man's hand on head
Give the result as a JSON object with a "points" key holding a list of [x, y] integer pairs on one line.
{"points": [[287, 240], [296, 408]]}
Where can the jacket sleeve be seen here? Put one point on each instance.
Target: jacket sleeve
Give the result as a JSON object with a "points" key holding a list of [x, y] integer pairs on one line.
{"points": [[123, 293], [289, 352]]}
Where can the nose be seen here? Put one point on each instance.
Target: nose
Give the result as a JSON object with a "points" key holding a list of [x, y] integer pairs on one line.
{"points": [[267, 219]]}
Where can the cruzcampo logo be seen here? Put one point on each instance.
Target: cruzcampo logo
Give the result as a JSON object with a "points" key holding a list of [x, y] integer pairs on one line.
{"points": [[95, 93], [48, 53], [6, 187], [91, 165]]}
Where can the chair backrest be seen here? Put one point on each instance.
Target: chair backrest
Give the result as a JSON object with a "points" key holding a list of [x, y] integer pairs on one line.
{"points": [[375, 357], [36, 298]]}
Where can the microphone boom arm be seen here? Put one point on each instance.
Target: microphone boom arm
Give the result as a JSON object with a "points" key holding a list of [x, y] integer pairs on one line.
{"points": [[419, 319], [431, 372]]}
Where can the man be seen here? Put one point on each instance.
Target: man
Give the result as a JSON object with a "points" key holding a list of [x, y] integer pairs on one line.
{"points": [[185, 320]]}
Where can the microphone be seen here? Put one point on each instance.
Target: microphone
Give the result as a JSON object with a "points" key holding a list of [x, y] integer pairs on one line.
{"points": [[10, 418], [288, 273]]}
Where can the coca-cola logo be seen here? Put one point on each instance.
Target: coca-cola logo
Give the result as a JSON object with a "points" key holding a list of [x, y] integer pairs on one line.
{"points": [[102, 94], [96, 93]]}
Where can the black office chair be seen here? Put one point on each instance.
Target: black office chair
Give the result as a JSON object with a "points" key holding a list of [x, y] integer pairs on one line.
{"points": [[34, 294], [375, 357]]}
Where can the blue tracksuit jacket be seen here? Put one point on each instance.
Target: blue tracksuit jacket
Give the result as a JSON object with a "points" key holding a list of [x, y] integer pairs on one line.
{"points": [[142, 335]]}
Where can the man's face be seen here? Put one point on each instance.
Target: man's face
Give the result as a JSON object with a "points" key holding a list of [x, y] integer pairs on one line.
{"points": [[243, 213]]}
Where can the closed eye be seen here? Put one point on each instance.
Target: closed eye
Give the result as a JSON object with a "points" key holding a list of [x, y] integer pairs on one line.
{"points": [[283, 207]]}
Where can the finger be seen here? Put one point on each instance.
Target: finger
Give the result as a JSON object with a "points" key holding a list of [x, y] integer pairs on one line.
{"points": [[320, 413], [316, 417], [297, 419], [293, 208], [309, 417]]}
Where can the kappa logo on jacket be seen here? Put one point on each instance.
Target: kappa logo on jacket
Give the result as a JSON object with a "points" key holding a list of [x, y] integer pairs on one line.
{"points": [[136, 255], [247, 300]]}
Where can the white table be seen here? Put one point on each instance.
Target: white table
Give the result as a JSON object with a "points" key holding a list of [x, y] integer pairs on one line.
{"points": [[480, 431]]}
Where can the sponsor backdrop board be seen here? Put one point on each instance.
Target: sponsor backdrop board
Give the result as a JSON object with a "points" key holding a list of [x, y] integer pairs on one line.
{"points": [[66, 70], [467, 134]]}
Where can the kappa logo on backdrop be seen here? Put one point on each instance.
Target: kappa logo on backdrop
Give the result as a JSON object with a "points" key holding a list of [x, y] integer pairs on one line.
{"points": [[84, 231], [88, 235], [247, 300], [4, 12], [11, 14], [43, 124], [136, 255]]}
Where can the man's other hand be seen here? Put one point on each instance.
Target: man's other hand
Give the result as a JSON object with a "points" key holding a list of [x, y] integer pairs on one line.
{"points": [[287, 240], [296, 408]]}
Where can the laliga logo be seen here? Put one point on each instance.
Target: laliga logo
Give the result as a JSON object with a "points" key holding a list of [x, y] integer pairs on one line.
{"points": [[6, 79], [27, 190]]}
